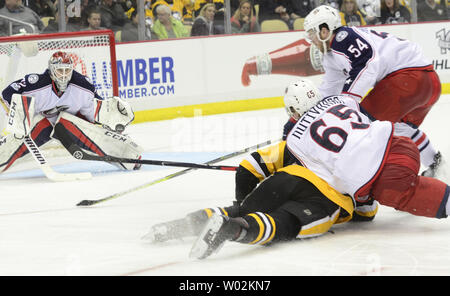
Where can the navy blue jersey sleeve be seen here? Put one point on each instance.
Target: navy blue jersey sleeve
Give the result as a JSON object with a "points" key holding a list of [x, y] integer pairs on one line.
{"points": [[357, 50], [14, 88], [288, 127], [27, 84]]}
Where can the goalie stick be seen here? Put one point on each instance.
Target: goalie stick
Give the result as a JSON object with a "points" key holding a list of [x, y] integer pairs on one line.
{"points": [[88, 202], [47, 169]]}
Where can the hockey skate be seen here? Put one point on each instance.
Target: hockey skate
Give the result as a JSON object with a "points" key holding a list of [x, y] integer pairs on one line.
{"points": [[217, 231], [191, 225], [434, 167], [162, 232]]}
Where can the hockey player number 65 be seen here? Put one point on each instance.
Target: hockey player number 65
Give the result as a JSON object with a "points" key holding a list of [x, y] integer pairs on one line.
{"points": [[324, 139]]}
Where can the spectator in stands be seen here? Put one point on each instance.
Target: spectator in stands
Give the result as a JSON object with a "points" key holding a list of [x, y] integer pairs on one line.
{"points": [[350, 14], [75, 23], [42, 7], [392, 12], [150, 7], [276, 9], [94, 21], [218, 4], [445, 4], [176, 7], [126, 4], [204, 23], [219, 21], [166, 26], [336, 4], [86, 7], [15, 9], [188, 12], [113, 15], [130, 30], [244, 19], [370, 9], [300, 8], [179, 8], [429, 10], [53, 25]]}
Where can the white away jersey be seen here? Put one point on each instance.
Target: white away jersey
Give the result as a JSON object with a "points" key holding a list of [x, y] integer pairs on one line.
{"points": [[77, 99], [340, 144], [360, 57]]}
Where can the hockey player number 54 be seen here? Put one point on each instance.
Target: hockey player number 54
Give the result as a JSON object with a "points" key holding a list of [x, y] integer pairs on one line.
{"points": [[324, 139], [357, 51]]}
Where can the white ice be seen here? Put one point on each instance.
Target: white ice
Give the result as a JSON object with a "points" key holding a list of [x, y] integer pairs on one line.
{"points": [[43, 232]]}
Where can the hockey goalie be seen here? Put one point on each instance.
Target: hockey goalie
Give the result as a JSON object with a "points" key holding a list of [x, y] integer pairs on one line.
{"points": [[63, 98]]}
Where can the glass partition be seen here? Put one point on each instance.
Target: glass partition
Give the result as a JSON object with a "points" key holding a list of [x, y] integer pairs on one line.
{"points": [[138, 20]]}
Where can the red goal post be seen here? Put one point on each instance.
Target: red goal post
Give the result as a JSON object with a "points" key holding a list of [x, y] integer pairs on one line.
{"points": [[93, 52]]}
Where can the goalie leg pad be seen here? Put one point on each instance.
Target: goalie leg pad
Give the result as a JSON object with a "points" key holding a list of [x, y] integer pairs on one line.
{"points": [[13, 148], [99, 140], [21, 113]]}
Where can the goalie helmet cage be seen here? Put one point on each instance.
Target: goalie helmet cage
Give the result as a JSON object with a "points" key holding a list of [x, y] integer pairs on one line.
{"points": [[93, 54]]}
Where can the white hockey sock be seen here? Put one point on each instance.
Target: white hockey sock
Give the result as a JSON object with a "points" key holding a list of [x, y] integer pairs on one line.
{"points": [[426, 149]]}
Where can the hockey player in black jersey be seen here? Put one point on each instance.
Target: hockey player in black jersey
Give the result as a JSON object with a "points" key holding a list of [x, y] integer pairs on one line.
{"points": [[290, 203]]}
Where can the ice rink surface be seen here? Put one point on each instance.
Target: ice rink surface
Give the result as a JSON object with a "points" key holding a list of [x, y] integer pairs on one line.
{"points": [[43, 232]]}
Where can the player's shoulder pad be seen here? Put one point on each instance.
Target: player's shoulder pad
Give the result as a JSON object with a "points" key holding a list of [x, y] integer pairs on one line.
{"points": [[82, 81], [32, 82], [38, 80], [345, 36]]}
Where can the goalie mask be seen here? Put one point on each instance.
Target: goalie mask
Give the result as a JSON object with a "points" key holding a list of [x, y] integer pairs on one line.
{"points": [[60, 66], [300, 96]]}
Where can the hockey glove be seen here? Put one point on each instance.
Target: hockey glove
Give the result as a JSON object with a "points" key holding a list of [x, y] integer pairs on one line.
{"points": [[113, 113], [287, 127]]}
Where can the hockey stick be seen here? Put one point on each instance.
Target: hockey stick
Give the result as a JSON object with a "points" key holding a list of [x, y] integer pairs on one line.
{"points": [[78, 153], [88, 202], [47, 169]]}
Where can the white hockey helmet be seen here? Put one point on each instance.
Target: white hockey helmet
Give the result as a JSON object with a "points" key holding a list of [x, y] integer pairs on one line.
{"points": [[319, 16], [60, 66], [300, 96]]}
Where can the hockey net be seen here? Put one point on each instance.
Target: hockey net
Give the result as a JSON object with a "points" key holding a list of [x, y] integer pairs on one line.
{"points": [[93, 53]]}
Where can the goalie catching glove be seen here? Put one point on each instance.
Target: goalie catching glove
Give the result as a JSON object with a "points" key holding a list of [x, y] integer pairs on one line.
{"points": [[113, 113]]}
